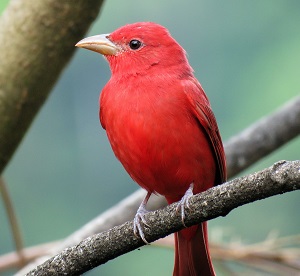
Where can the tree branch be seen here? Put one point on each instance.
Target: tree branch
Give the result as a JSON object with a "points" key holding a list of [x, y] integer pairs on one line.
{"points": [[282, 177], [37, 40], [263, 137]]}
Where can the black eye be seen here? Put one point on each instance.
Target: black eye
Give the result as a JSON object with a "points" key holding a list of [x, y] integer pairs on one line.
{"points": [[134, 44]]}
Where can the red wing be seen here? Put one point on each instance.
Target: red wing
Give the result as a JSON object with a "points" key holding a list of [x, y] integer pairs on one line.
{"points": [[206, 117]]}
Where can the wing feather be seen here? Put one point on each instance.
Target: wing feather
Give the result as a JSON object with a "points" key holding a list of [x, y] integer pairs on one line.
{"points": [[202, 111]]}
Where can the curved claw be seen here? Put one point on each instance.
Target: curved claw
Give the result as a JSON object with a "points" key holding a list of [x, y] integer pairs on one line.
{"points": [[139, 219], [184, 203]]}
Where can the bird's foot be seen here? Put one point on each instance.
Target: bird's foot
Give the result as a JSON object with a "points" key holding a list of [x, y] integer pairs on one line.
{"points": [[184, 203], [140, 220]]}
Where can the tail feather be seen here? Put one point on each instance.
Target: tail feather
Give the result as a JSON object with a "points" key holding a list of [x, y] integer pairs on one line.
{"points": [[191, 252]]}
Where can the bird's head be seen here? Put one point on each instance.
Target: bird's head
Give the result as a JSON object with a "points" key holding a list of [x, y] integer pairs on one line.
{"points": [[137, 48]]}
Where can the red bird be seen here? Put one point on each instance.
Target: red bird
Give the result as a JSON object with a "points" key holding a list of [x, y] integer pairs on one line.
{"points": [[161, 127]]}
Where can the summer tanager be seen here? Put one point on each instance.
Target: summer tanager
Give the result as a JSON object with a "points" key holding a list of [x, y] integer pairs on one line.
{"points": [[161, 127]]}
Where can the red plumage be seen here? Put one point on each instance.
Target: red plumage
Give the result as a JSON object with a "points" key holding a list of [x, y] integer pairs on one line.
{"points": [[160, 125]]}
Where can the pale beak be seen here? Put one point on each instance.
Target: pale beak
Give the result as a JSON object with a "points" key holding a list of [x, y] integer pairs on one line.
{"points": [[100, 44]]}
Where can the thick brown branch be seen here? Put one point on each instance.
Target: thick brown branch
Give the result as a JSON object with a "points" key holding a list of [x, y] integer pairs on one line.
{"points": [[37, 40], [218, 201]]}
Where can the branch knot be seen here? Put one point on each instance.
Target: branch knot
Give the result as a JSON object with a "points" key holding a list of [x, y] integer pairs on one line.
{"points": [[282, 171]]}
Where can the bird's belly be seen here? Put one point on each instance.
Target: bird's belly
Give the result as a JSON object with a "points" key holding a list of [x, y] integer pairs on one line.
{"points": [[163, 153]]}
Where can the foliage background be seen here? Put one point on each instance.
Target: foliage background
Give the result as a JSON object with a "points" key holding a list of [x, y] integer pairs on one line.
{"points": [[245, 54]]}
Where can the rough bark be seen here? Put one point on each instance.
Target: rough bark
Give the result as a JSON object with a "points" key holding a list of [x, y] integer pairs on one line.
{"points": [[218, 201]]}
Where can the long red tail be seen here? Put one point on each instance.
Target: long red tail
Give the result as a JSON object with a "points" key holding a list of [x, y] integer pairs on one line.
{"points": [[191, 252]]}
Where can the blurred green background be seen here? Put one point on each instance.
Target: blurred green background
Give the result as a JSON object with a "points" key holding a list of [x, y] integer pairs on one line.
{"points": [[246, 54]]}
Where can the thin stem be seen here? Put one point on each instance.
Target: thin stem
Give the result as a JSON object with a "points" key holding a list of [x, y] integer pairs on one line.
{"points": [[13, 221]]}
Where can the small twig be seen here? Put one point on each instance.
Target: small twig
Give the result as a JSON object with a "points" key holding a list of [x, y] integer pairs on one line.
{"points": [[12, 260], [13, 221], [284, 259]]}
